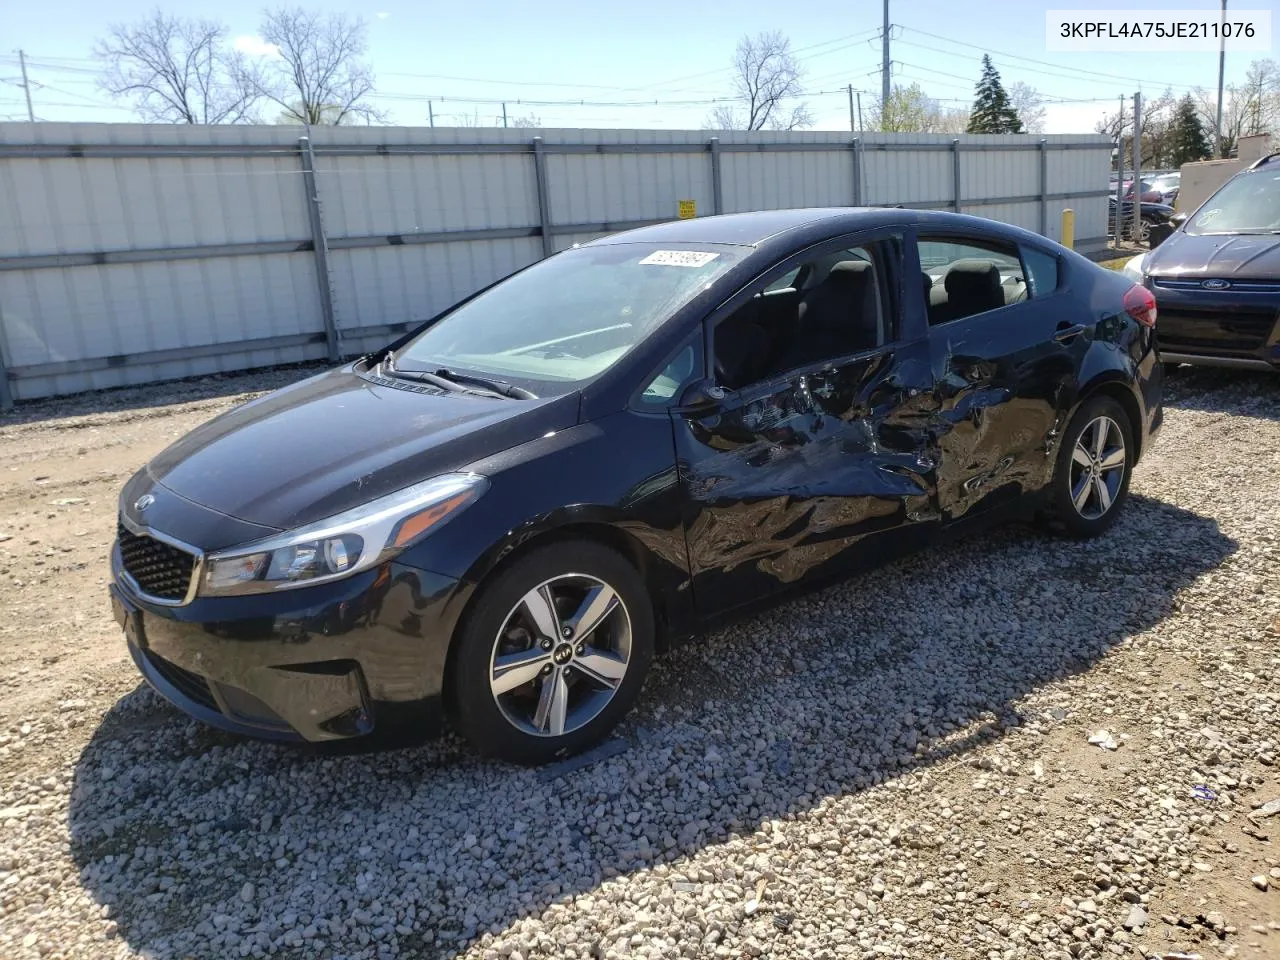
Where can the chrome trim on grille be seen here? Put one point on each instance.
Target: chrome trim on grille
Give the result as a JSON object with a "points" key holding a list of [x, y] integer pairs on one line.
{"points": [[1229, 285], [197, 564]]}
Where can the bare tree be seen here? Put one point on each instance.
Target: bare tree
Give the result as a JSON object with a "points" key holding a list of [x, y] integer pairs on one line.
{"points": [[530, 122], [176, 70], [1026, 100], [318, 76], [1247, 108], [766, 73]]}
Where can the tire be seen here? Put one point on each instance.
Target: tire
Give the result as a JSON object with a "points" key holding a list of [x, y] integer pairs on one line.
{"points": [[513, 683], [1095, 513], [1141, 231]]}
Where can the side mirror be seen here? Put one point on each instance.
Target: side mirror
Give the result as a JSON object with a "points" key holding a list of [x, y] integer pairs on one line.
{"points": [[701, 395], [1178, 219]]}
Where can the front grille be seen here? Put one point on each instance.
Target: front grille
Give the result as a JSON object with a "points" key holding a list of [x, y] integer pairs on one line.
{"points": [[1234, 329], [1233, 286], [159, 570], [191, 685]]}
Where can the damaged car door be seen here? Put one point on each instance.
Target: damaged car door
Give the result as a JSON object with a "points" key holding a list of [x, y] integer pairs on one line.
{"points": [[1006, 355], [808, 448]]}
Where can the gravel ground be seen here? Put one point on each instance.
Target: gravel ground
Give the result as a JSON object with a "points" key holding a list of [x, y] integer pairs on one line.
{"points": [[900, 766]]}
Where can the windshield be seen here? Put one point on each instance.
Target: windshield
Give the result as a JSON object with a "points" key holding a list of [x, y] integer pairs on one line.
{"points": [[1248, 203], [569, 318]]}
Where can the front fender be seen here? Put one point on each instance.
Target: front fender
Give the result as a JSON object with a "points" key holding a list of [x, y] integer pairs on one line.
{"points": [[613, 479]]}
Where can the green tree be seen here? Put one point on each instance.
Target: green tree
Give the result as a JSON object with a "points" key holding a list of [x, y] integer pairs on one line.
{"points": [[911, 110], [992, 112], [1187, 140]]}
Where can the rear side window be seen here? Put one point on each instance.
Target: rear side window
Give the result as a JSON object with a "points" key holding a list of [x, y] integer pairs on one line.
{"points": [[1042, 271], [964, 277]]}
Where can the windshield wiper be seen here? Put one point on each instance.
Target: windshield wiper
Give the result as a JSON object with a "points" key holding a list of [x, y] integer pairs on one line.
{"points": [[450, 380], [500, 387]]}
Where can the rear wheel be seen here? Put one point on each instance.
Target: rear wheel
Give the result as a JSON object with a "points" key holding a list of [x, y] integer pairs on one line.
{"points": [[554, 653], [1095, 462]]}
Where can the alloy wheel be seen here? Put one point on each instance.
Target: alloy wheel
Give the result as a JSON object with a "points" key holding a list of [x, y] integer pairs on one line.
{"points": [[1097, 467], [561, 655]]}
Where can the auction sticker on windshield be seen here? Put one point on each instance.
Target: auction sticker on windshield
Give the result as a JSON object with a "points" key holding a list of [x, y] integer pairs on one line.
{"points": [[679, 258]]}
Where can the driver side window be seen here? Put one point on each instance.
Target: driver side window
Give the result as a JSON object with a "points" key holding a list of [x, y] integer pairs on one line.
{"points": [[829, 307]]}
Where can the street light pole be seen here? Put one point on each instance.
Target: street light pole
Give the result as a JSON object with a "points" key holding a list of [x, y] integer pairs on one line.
{"points": [[1222, 68]]}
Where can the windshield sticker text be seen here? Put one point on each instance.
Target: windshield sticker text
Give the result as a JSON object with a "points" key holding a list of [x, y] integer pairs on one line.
{"points": [[679, 258]]}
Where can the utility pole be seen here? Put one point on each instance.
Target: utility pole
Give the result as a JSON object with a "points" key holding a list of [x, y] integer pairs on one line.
{"points": [[431, 114], [852, 126], [887, 64], [1222, 69], [26, 86], [858, 94], [1119, 218], [504, 114], [1137, 163]]}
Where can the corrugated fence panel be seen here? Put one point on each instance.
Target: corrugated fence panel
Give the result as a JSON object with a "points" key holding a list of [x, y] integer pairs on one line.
{"points": [[411, 283], [770, 181], [919, 176], [135, 252]]}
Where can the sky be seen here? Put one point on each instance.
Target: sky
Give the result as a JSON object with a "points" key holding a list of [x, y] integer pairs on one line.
{"points": [[636, 64]]}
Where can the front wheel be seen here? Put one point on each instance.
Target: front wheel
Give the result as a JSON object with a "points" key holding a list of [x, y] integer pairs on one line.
{"points": [[1095, 462], [553, 654]]}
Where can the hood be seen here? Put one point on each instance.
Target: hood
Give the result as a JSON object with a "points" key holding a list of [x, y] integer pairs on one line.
{"points": [[337, 440], [1241, 256]]}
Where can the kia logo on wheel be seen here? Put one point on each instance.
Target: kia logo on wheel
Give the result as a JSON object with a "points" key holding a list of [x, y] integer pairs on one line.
{"points": [[143, 502], [1215, 284]]}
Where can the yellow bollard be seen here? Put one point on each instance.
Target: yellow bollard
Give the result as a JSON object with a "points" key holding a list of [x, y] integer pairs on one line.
{"points": [[1068, 229]]}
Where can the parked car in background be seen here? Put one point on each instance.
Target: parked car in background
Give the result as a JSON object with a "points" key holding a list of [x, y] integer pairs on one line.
{"points": [[505, 514], [1167, 185], [1149, 193], [1216, 279], [1150, 217]]}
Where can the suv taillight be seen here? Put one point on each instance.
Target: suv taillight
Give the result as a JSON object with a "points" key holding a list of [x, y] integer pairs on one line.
{"points": [[1140, 304]]}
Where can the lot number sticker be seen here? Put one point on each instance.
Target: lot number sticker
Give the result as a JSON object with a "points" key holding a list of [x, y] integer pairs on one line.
{"points": [[679, 258], [688, 209]]}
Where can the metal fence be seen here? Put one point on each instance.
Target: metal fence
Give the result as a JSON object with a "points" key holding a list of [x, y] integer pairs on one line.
{"points": [[134, 253]]}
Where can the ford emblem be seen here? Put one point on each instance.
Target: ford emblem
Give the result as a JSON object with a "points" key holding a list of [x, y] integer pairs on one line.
{"points": [[143, 502], [1215, 284]]}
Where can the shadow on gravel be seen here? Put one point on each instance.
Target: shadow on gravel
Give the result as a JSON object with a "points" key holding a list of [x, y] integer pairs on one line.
{"points": [[210, 846], [152, 396], [1241, 393]]}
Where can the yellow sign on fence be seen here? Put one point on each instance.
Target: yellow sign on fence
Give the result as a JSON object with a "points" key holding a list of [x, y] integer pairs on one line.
{"points": [[688, 209]]}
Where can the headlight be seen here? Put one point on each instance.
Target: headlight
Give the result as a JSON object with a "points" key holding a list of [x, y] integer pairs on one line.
{"points": [[1133, 269], [342, 544]]}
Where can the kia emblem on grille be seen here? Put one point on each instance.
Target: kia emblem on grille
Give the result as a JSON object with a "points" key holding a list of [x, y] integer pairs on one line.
{"points": [[1215, 284], [143, 502]]}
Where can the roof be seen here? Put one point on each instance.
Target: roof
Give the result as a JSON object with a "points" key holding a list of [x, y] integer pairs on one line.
{"points": [[753, 229]]}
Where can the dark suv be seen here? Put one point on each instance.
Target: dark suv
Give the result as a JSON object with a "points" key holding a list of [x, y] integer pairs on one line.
{"points": [[1216, 278]]}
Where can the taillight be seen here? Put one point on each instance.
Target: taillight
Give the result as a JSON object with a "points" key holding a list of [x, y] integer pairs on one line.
{"points": [[1140, 304]]}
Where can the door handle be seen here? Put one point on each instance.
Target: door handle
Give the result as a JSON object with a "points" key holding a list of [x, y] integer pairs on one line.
{"points": [[1066, 333]]}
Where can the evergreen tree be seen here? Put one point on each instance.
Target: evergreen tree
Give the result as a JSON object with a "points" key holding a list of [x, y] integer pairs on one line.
{"points": [[992, 111], [1188, 142]]}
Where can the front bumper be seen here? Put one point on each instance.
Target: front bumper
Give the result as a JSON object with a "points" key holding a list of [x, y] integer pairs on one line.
{"points": [[335, 661], [1229, 328]]}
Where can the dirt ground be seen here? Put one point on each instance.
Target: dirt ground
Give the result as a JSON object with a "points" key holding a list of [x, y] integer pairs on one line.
{"points": [[1039, 798]]}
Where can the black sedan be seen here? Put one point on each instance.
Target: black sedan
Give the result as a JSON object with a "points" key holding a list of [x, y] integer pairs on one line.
{"points": [[503, 516], [1217, 277], [1152, 217]]}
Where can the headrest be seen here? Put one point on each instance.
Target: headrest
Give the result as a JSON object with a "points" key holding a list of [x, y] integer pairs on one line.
{"points": [[974, 280]]}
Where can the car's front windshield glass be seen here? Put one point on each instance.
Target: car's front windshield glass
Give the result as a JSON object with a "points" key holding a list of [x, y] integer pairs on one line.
{"points": [[569, 318], [1245, 204]]}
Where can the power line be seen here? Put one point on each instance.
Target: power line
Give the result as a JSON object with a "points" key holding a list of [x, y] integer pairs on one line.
{"points": [[1040, 63]]}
